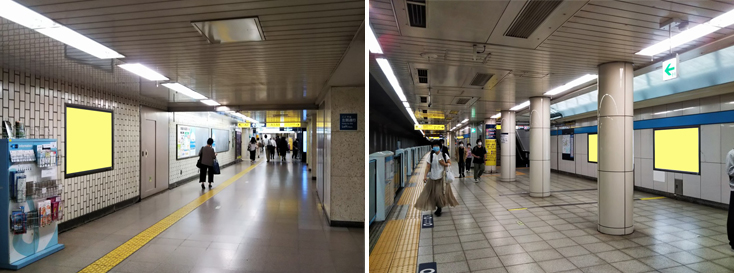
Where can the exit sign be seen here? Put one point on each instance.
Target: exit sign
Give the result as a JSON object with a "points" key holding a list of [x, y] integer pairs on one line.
{"points": [[670, 69]]}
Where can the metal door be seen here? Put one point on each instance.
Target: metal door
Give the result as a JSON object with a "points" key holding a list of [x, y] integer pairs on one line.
{"points": [[147, 158], [238, 145]]}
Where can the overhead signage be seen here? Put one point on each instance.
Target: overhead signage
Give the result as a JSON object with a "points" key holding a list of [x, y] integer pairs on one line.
{"points": [[473, 130], [427, 221], [670, 69], [348, 122], [243, 124], [430, 127], [460, 137], [283, 125]]}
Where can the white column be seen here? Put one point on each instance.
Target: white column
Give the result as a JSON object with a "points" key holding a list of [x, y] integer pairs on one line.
{"points": [[507, 140], [540, 147], [615, 148]]}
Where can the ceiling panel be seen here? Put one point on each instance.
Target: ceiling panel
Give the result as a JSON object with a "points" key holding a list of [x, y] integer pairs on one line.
{"points": [[304, 42], [600, 31]]}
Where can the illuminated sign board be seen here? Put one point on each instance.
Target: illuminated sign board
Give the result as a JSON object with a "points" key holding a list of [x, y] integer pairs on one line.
{"points": [[430, 127]]}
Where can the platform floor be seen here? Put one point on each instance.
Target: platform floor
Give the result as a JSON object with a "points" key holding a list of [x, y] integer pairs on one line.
{"points": [[269, 220], [498, 228]]}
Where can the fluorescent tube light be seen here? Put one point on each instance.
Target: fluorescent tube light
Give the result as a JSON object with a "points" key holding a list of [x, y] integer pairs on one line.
{"points": [[223, 109], [406, 104], [372, 43], [26, 17], [496, 116], [465, 120], [210, 102], [410, 111], [184, 90], [387, 70], [691, 34], [583, 79], [143, 71], [520, 106]]}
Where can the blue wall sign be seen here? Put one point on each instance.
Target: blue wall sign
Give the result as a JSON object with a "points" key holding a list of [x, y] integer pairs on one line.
{"points": [[427, 268], [348, 122]]}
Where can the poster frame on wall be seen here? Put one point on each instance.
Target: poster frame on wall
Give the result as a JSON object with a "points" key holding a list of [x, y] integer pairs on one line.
{"points": [[91, 108], [176, 148], [588, 153], [570, 156], [698, 127]]}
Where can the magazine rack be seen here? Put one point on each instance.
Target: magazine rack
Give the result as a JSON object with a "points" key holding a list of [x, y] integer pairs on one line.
{"points": [[30, 196]]}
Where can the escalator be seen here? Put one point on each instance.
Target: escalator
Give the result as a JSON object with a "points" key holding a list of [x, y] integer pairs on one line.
{"points": [[522, 158]]}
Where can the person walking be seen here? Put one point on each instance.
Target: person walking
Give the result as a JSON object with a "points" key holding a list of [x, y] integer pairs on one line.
{"points": [[252, 148], [469, 157], [206, 160], [460, 156], [436, 193], [730, 218], [479, 153], [295, 149], [283, 148], [259, 147], [271, 149]]}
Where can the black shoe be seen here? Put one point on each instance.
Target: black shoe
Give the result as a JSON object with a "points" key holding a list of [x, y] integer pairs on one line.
{"points": [[438, 212], [210, 185], [202, 186]]}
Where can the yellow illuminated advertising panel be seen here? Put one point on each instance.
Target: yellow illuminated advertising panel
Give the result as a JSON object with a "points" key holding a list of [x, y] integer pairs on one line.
{"points": [[593, 148], [430, 127], [676, 150], [89, 142], [243, 124]]}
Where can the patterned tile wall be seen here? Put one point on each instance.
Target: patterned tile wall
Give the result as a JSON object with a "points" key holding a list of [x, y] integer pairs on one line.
{"points": [[38, 102], [185, 168]]}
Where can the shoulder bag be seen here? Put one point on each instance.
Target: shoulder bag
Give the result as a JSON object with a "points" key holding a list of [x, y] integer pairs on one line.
{"points": [[215, 167], [448, 176], [198, 162]]}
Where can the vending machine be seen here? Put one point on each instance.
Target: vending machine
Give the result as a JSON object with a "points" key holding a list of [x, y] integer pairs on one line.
{"points": [[30, 194]]}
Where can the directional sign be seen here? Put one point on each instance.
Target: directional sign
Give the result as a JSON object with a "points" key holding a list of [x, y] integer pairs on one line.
{"points": [[430, 127], [243, 125], [283, 124], [670, 69]]}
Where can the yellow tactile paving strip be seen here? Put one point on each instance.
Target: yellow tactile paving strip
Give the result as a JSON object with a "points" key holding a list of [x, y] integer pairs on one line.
{"points": [[116, 256], [397, 248]]}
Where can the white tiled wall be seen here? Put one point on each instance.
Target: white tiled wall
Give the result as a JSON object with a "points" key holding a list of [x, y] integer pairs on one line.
{"points": [[38, 102], [185, 168], [716, 141]]}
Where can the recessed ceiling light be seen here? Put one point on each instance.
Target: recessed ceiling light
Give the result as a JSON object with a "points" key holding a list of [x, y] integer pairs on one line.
{"points": [[144, 71], [210, 102], [184, 90], [28, 18]]}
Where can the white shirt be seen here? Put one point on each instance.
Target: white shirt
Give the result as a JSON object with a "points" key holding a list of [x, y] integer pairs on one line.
{"points": [[436, 172], [272, 143]]}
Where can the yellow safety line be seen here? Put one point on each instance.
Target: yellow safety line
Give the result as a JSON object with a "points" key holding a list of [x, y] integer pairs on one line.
{"points": [[397, 248], [116, 256], [517, 209], [652, 198]]}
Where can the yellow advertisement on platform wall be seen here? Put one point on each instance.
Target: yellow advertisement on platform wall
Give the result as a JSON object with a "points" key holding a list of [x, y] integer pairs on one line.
{"points": [[491, 145]]}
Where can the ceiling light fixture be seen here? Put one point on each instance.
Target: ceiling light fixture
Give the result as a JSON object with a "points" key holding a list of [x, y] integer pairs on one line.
{"points": [[28, 18], [583, 79], [496, 116], [387, 70], [184, 90], [520, 106], [223, 109], [143, 71], [465, 120], [372, 42], [210, 102], [691, 34]]}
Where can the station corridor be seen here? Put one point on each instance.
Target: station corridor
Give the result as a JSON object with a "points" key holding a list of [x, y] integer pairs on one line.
{"points": [[267, 220], [497, 227]]}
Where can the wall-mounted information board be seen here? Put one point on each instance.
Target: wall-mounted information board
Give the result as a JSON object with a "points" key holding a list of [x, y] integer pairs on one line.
{"points": [[189, 140]]}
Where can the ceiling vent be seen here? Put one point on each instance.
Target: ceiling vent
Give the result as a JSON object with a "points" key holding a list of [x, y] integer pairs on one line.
{"points": [[532, 15], [462, 101], [422, 76], [230, 30], [425, 111], [424, 99], [417, 13], [480, 79]]}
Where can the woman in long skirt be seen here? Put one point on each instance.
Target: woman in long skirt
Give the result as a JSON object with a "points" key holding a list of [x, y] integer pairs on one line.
{"points": [[436, 193]]}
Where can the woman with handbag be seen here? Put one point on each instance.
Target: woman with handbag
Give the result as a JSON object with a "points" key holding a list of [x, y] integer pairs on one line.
{"points": [[207, 156], [437, 192]]}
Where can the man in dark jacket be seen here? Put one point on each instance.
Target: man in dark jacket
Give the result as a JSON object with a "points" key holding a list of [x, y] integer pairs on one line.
{"points": [[282, 148], [460, 156]]}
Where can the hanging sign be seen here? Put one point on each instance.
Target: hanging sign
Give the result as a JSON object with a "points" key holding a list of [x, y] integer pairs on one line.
{"points": [[430, 127], [244, 125], [282, 125], [670, 68]]}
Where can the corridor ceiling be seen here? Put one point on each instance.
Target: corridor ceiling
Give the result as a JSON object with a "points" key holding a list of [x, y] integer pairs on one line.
{"points": [[304, 42], [479, 62]]}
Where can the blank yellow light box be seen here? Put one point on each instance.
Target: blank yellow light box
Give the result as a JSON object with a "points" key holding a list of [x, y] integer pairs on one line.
{"points": [[89, 141], [676, 150], [593, 148]]}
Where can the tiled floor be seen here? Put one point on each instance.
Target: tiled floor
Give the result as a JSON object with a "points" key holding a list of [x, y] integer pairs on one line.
{"points": [[481, 235], [267, 221]]}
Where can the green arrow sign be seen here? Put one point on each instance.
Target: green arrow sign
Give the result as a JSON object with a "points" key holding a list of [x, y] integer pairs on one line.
{"points": [[668, 69]]}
